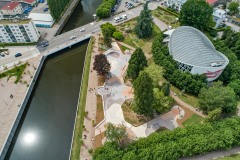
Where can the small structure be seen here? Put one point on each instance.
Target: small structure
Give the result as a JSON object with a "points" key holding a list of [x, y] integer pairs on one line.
{"points": [[195, 53], [219, 16], [12, 8], [44, 20]]}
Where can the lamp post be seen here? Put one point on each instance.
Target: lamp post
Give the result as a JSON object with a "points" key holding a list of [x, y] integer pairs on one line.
{"points": [[94, 17]]}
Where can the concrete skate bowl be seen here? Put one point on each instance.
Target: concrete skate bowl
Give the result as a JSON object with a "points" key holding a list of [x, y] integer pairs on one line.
{"points": [[113, 54]]}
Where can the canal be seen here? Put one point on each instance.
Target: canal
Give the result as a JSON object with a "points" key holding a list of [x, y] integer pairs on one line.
{"points": [[46, 128]]}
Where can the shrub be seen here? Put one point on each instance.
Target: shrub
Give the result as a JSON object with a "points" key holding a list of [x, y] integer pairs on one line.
{"points": [[118, 36]]}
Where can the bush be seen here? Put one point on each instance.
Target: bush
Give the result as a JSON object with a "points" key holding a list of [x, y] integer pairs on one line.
{"points": [[104, 10], [118, 36]]}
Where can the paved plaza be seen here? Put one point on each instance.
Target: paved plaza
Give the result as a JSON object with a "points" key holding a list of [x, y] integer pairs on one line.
{"points": [[115, 92]]}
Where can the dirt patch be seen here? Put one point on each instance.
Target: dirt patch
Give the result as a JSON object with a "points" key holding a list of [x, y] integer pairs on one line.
{"points": [[98, 140], [100, 112], [188, 114], [131, 117], [101, 80]]}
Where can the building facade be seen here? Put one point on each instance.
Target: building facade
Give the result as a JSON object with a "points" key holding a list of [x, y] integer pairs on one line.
{"points": [[12, 8], [176, 4], [195, 53], [219, 16], [18, 31]]}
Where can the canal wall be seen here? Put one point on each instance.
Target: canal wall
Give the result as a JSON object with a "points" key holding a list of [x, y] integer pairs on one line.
{"points": [[67, 15], [21, 110], [79, 96]]}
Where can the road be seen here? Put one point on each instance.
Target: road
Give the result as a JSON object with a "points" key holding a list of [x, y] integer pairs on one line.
{"points": [[63, 40]]}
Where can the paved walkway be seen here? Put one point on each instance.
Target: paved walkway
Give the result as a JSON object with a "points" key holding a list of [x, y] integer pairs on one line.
{"points": [[115, 92], [9, 107], [91, 103]]}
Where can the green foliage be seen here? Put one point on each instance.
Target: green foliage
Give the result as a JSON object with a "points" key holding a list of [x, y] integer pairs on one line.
{"points": [[137, 63], [144, 27], [155, 72], [161, 103], [16, 71], [118, 36], [101, 65], [193, 120], [107, 30], [172, 145], [57, 7], [183, 80], [218, 96], [104, 10], [213, 115], [115, 134], [166, 88], [143, 94], [196, 13], [235, 85], [233, 8]]}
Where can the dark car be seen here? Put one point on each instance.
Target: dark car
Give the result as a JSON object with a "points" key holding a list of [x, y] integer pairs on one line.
{"points": [[44, 44], [18, 55]]}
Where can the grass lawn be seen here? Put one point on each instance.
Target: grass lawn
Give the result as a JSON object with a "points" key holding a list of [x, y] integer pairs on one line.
{"points": [[123, 48], [100, 112], [132, 39], [194, 119], [77, 139], [232, 157], [166, 17], [16, 71], [131, 117]]}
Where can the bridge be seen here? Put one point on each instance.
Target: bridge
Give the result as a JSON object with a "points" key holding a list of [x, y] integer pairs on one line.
{"points": [[63, 41]]}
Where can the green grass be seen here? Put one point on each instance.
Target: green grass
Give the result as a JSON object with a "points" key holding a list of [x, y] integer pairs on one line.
{"points": [[194, 119], [75, 154], [232, 157], [123, 48], [18, 44], [16, 71]]}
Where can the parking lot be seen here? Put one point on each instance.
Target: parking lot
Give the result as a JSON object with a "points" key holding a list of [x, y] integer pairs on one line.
{"points": [[40, 8]]}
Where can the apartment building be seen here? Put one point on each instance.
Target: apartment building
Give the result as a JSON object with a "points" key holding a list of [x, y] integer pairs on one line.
{"points": [[12, 8], [18, 31]]}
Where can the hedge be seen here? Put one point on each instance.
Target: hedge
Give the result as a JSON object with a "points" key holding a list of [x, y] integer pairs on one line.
{"points": [[181, 142], [168, 11]]}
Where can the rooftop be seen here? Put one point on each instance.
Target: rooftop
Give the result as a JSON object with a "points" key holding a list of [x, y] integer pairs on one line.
{"points": [[45, 17], [10, 6], [190, 46], [14, 21], [219, 13], [28, 1], [211, 1]]}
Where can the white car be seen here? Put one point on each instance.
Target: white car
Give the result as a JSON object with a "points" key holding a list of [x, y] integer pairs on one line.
{"points": [[82, 29], [72, 37]]}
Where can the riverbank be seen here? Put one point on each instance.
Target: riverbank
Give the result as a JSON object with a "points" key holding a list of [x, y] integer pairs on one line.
{"points": [[9, 107]]}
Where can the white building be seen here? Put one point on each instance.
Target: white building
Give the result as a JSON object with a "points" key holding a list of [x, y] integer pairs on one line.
{"points": [[219, 16], [18, 31], [195, 53], [44, 20], [177, 4], [12, 8]]}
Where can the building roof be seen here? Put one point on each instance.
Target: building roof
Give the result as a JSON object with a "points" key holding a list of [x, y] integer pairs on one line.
{"points": [[44, 17], [219, 13], [211, 1], [10, 6], [190, 46], [28, 1]]}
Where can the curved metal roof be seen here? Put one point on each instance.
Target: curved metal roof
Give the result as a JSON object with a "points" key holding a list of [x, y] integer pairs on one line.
{"points": [[190, 46]]}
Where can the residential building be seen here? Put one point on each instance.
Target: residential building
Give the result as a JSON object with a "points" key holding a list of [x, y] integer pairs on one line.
{"points": [[176, 4], [44, 20], [18, 31], [30, 2], [212, 2], [195, 53], [12, 8], [219, 16]]}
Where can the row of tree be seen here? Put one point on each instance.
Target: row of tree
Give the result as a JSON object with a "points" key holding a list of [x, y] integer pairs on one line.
{"points": [[183, 80], [57, 7], [104, 10], [172, 145]]}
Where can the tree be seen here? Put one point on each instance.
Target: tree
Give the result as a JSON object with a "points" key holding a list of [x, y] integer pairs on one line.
{"points": [[196, 13], [101, 65], [118, 36], [233, 8], [161, 103], [235, 85], [107, 30], [137, 63], [104, 10], [143, 94], [115, 133], [166, 88], [213, 115], [144, 27], [218, 97]]}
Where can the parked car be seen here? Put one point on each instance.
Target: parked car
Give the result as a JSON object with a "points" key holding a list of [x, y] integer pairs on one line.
{"points": [[18, 55], [45, 9], [2, 55], [82, 29], [72, 37], [44, 44]]}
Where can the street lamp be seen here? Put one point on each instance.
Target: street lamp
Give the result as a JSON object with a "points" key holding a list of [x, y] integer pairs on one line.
{"points": [[94, 17]]}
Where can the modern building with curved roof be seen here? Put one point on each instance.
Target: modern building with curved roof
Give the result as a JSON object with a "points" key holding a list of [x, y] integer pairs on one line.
{"points": [[195, 53]]}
